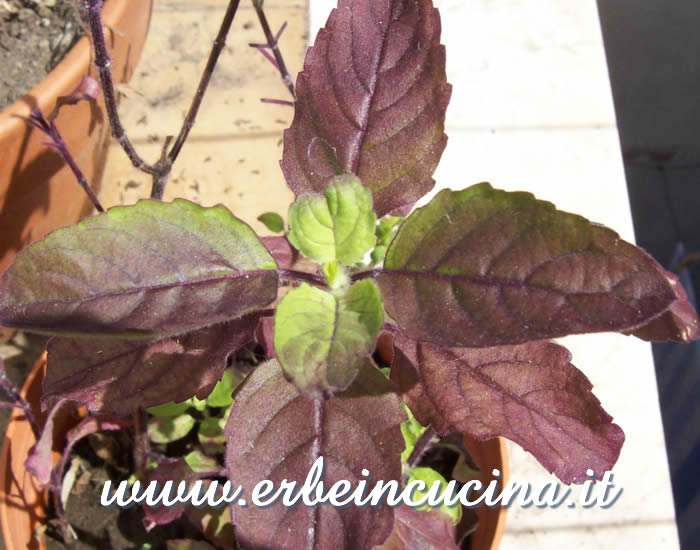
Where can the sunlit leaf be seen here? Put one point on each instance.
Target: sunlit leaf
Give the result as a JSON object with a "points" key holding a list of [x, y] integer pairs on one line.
{"points": [[529, 393], [371, 101], [145, 271], [322, 340], [338, 225], [482, 267], [276, 433]]}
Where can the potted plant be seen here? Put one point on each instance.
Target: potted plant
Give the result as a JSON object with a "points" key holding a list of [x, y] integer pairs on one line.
{"points": [[37, 189], [230, 357]]}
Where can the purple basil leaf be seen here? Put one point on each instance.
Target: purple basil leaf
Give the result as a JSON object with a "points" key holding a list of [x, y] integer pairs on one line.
{"points": [[482, 267], [121, 376], [679, 322], [40, 460], [87, 426], [145, 271], [275, 433], [371, 101], [169, 469], [421, 530], [529, 393], [285, 254]]}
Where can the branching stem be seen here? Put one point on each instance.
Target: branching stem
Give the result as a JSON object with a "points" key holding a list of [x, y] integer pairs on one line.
{"points": [[273, 44]]}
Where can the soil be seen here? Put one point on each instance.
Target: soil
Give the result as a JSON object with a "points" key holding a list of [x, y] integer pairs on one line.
{"points": [[35, 35]]}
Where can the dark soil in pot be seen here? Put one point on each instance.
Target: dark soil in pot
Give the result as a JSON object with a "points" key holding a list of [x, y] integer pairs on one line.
{"points": [[35, 35]]}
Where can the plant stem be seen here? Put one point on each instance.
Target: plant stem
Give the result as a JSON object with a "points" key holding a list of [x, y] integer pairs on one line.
{"points": [[103, 63], [218, 46], [273, 44], [62, 148], [369, 274], [422, 446], [12, 391], [293, 275], [141, 449]]}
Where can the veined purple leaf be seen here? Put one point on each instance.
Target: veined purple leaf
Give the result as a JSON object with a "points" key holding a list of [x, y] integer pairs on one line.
{"points": [[145, 271], [275, 433], [679, 322], [421, 530], [371, 101], [169, 469], [529, 393], [482, 267], [121, 376]]}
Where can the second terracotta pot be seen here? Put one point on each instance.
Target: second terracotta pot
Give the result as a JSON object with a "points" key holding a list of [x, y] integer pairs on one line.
{"points": [[38, 192]]}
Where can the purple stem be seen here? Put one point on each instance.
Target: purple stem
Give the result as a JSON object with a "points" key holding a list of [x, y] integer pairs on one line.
{"points": [[369, 274], [49, 128], [103, 63], [277, 102], [219, 44], [422, 446], [293, 275], [161, 169], [273, 44], [12, 391]]}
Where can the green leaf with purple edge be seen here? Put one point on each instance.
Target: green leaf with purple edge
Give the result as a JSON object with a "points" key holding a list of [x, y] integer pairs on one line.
{"points": [[121, 376], [371, 101], [145, 271], [529, 393], [276, 433], [322, 340], [483, 267]]}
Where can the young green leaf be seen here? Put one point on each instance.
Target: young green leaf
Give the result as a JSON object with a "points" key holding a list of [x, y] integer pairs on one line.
{"points": [[221, 395], [322, 340], [199, 462], [121, 376], [371, 101], [338, 225], [145, 271], [482, 267], [276, 433], [167, 430], [429, 477], [273, 221], [529, 393], [211, 435], [168, 409], [385, 231]]}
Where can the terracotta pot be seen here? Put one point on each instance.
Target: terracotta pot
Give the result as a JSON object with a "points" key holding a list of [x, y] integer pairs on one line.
{"points": [[22, 500], [38, 192], [489, 455]]}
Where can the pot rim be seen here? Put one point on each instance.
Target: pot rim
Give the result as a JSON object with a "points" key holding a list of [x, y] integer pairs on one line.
{"points": [[76, 63]]}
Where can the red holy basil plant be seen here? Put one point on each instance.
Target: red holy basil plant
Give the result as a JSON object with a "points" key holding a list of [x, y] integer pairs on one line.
{"points": [[149, 303]]}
